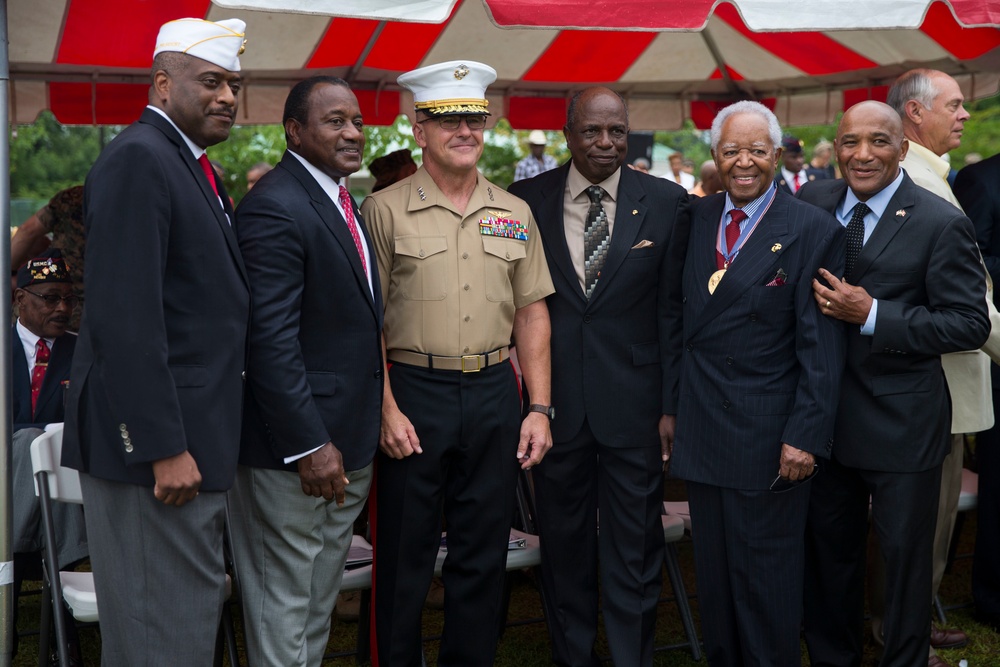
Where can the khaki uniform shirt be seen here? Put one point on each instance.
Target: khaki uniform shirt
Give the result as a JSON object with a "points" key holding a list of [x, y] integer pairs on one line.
{"points": [[451, 282]]}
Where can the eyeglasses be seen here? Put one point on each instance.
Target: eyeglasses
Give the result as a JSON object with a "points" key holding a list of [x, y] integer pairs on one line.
{"points": [[781, 485], [53, 300], [451, 123]]}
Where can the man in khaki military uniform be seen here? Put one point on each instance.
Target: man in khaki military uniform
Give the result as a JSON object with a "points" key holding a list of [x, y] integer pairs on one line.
{"points": [[463, 276]]}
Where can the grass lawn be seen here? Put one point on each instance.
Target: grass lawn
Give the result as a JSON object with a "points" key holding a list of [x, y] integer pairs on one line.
{"points": [[526, 644]]}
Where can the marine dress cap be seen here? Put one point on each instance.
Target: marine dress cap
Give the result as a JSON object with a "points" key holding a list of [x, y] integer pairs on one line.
{"points": [[218, 42], [454, 87]]}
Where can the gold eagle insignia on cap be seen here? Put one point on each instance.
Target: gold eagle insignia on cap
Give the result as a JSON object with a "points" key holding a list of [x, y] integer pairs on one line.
{"points": [[461, 72]]}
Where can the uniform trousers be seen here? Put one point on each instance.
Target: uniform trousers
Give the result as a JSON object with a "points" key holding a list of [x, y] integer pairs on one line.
{"points": [[290, 549], [577, 478], [468, 425], [903, 513], [158, 571], [748, 551]]}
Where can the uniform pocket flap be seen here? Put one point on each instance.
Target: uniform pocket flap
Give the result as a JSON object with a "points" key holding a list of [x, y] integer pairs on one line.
{"points": [[420, 246], [506, 249]]}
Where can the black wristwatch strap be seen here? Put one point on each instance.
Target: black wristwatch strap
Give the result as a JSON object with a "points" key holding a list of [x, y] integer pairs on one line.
{"points": [[546, 410]]}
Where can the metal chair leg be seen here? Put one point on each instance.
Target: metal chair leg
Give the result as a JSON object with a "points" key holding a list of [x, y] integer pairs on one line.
{"points": [[680, 595]]}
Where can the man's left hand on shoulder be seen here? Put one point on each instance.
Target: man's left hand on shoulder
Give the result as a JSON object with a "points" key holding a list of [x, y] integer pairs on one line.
{"points": [[536, 440], [841, 300]]}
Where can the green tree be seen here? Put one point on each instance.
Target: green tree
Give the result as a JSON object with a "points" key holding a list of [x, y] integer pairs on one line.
{"points": [[46, 157]]}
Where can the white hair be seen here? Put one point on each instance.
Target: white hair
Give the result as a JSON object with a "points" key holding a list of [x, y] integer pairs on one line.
{"points": [[746, 106], [917, 84]]}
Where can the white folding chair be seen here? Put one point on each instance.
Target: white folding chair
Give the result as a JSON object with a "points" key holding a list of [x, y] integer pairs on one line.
{"points": [[75, 589]]}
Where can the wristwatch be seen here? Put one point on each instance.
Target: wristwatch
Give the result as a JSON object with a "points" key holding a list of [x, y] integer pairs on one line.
{"points": [[546, 410]]}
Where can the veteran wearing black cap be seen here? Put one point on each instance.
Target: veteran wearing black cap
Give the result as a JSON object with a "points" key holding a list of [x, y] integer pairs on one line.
{"points": [[792, 174], [153, 409], [41, 355], [463, 277]]}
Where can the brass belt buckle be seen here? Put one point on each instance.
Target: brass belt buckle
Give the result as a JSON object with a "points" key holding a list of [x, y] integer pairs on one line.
{"points": [[472, 358]]}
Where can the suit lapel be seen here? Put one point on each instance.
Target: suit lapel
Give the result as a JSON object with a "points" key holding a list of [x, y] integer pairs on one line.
{"points": [[887, 227], [552, 225], [20, 380], [335, 223], [758, 257], [630, 211]]}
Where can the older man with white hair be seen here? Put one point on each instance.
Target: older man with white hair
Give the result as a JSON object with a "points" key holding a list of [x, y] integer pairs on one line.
{"points": [[759, 365]]}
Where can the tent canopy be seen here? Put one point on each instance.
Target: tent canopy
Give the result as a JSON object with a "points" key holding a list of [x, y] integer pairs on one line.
{"points": [[88, 60]]}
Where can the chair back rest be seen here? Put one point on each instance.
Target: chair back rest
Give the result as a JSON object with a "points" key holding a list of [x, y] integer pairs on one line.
{"points": [[46, 454]]}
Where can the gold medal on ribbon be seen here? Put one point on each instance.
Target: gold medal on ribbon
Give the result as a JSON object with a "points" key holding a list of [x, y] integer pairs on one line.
{"points": [[714, 280]]}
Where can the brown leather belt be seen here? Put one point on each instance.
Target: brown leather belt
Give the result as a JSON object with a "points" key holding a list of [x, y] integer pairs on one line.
{"points": [[469, 363]]}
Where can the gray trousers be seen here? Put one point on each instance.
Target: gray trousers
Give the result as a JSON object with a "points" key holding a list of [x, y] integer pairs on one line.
{"points": [[159, 574], [290, 549]]}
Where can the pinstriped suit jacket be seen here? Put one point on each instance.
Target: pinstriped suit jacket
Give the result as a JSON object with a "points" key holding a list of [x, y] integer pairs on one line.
{"points": [[761, 365]]}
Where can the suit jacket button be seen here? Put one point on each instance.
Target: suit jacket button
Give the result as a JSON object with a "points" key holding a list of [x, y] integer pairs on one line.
{"points": [[128, 447], [125, 436], [378, 374], [726, 404], [689, 347], [753, 317], [243, 376], [684, 300], [586, 318], [122, 428], [730, 360]]}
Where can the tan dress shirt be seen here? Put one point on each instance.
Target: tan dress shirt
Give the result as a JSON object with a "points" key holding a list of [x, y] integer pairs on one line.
{"points": [[576, 204], [451, 282]]}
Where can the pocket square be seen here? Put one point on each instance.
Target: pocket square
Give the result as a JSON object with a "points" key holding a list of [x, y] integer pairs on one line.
{"points": [[778, 280], [643, 244]]}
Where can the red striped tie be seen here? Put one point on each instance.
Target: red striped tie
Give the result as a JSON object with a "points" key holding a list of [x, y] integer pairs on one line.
{"points": [[38, 372], [345, 202]]}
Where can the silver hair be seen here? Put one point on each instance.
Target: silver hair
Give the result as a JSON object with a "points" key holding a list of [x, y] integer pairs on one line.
{"points": [[747, 106], [917, 84]]}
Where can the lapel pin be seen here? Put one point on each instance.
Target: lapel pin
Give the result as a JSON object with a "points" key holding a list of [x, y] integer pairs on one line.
{"points": [[900, 213], [635, 211], [776, 247]]}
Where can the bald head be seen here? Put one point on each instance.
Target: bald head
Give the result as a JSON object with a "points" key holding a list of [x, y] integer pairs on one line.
{"points": [[709, 175], [870, 145]]}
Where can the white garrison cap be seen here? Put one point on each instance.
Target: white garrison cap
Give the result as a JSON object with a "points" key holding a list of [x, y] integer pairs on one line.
{"points": [[454, 87], [218, 42]]}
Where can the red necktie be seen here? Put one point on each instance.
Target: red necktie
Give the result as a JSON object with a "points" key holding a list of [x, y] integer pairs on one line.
{"points": [[206, 167], [345, 202], [796, 183], [736, 216], [38, 372]]}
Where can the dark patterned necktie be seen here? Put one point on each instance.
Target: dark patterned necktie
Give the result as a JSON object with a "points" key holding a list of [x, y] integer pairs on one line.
{"points": [[38, 372], [855, 236], [596, 239]]}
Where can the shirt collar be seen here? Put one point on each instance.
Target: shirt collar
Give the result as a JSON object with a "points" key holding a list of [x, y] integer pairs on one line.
{"points": [[940, 166], [330, 186], [578, 183], [750, 208], [196, 150], [877, 202], [29, 338]]}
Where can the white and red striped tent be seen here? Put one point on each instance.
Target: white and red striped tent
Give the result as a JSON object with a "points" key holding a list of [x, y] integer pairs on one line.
{"points": [[88, 60]]}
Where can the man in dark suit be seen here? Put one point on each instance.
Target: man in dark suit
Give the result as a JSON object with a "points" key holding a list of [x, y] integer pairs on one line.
{"points": [[793, 173], [976, 190], [912, 291], [153, 409], [314, 392], [759, 365], [615, 353], [42, 352]]}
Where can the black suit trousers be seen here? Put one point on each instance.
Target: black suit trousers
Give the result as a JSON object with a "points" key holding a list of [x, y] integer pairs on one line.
{"points": [[903, 513], [748, 563], [468, 425], [578, 479], [986, 562]]}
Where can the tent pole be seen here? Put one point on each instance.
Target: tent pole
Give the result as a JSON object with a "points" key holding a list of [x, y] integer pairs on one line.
{"points": [[6, 513]]}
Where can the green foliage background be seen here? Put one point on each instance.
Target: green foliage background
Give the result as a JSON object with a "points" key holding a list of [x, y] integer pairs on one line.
{"points": [[46, 157]]}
